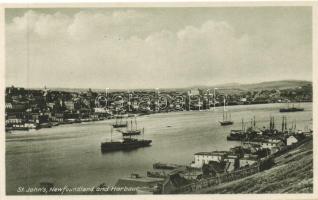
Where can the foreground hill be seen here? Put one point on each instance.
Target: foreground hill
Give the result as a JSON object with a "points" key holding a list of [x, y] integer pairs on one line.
{"points": [[293, 173]]}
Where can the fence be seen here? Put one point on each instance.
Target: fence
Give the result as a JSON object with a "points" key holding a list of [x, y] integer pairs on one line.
{"points": [[231, 176]]}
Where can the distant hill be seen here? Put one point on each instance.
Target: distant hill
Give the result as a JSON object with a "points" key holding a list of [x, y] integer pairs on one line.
{"points": [[276, 84], [283, 84]]}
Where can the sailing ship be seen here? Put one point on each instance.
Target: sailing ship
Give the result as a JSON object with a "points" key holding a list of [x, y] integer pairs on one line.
{"points": [[131, 131], [226, 121], [127, 143], [292, 108], [120, 123]]}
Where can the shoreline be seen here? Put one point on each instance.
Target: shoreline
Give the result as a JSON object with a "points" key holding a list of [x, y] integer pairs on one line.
{"points": [[142, 115]]}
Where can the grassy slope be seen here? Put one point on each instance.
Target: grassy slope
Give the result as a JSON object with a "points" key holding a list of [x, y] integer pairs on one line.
{"points": [[293, 173]]}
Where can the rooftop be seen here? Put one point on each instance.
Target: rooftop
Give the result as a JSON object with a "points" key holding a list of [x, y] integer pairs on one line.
{"points": [[213, 153]]}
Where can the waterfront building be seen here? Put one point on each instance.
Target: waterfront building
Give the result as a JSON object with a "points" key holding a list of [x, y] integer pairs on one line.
{"points": [[248, 160], [233, 162], [291, 140], [8, 106], [11, 119], [69, 105], [214, 168], [194, 92], [205, 157]]}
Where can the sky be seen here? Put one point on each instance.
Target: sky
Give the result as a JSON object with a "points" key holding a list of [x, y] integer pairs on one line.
{"points": [[156, 47]]}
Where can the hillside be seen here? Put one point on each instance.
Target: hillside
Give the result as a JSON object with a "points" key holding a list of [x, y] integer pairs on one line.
{"points": [[277, 84], [293, 173], [283, 84]]}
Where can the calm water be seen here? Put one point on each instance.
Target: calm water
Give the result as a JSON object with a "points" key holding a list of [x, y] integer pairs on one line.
{"points": [[70, 154]]}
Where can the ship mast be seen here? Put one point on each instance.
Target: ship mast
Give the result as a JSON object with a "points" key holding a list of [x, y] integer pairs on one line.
{"points": [[136, 123], [111, 134], [131, 125], [283, 124], [254, 121], [223, 107]]}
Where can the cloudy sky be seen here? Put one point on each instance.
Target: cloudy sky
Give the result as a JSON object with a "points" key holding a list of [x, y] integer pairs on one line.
{"points": [[156, 47]]}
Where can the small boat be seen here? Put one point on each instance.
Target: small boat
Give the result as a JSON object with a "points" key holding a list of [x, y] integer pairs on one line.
{"points": [[45, 125], [226, 121]]}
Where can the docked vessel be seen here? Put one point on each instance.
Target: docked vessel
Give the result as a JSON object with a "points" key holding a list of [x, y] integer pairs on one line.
{"points": [[120, 123], [159, 165], [226, 121], [292, 108], [127, 143], [244, 133], [236, 135], [131, 131]]}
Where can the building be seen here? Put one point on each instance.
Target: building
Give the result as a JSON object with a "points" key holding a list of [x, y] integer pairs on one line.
{"points": [[291, 140], [205, 157], [267, 143], [233, 162], [69, 105], [194, 92], [248, 160], [50, 105], [272, 144], [8, 106], [214, 168], [13, 120]]}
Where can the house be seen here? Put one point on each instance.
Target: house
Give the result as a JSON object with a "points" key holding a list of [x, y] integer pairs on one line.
{"points": [[272, 144], [233, 162], [194, 92], [51, 105], [57, 117], [239, 151], [8, 106], [243, 99], [69, 105], [205, 157], [292, 140], [172, 182], [214, 168], [248, 160], [268, 143], [13, 120]]}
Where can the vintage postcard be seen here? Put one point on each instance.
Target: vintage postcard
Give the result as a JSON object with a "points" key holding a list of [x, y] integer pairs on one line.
{"points": [[103, 100]]}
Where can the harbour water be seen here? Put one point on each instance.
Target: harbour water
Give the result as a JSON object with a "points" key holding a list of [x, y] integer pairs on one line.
{"points": [[70, 154]]}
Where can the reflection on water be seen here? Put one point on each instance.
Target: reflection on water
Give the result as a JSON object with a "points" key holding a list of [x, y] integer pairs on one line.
{"points": [[70, 154]]}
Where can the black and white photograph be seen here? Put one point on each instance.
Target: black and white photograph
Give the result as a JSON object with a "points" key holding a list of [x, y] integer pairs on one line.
{"points": [[157, 100]]}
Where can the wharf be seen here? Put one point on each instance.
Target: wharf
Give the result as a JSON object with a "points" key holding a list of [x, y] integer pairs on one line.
{"points": [[137, 181]]}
